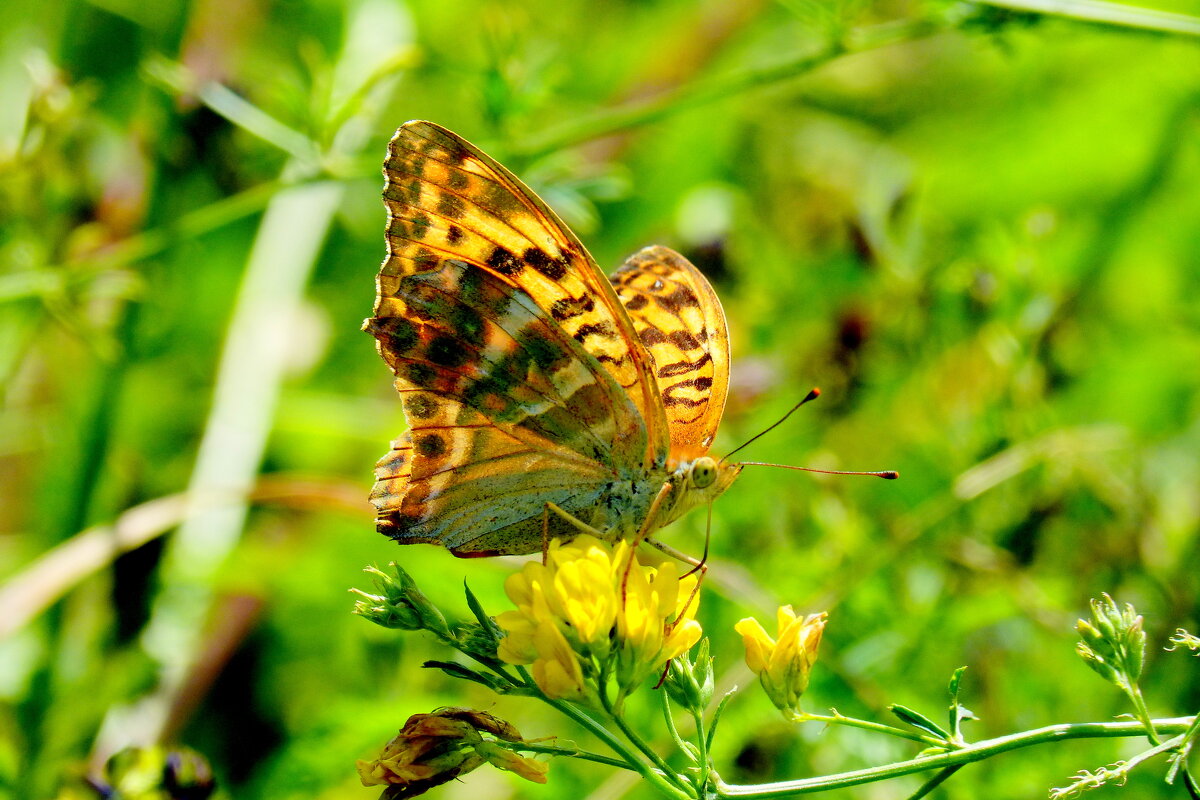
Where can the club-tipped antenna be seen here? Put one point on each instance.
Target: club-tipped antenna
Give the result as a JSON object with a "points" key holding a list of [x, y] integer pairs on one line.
{"points": [[886, 474], [812, 395]]}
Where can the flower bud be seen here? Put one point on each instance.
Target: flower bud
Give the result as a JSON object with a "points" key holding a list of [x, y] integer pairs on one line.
{"points": [[690, 683], [1113, 642], [432, 749], [399, 603]]}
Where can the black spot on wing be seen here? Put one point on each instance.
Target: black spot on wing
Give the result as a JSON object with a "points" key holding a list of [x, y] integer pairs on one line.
{"points": [[425, 261], [430, 445], [552, 268], [503, 261], [450, 205], [684, 340], [652, 336], [445, 351], [420, 406], [676, 301], [637, 302], [567, 307]]}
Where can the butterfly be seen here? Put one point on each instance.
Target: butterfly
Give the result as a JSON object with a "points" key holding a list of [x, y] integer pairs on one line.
{"points": [[543, 400]]}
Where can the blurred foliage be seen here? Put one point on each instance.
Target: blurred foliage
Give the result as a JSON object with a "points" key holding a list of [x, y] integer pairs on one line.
{"points": [[975, 228]]}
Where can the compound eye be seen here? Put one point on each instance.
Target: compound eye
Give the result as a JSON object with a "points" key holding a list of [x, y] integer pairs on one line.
{"points": [[704, 472]]}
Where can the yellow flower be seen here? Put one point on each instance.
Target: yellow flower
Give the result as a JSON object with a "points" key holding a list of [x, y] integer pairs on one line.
{"points": [[654, 597], [557, 669], [783, 666], [432, 749], [589, 609]]}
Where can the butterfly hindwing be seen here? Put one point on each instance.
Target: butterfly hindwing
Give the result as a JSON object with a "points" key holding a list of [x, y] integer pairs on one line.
{"points": [[680, 321], [457, 480]]}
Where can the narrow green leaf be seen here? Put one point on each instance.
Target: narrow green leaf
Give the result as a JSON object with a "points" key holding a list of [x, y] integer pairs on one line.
{"points": [[712, 727], [486, 622], [918, 720], [466, 673]]}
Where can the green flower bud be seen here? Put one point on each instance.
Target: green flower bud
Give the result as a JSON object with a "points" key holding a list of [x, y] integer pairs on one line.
{"points": [[1098, 663], [1135, 649], [690, 682], [1113, 642], [399, 603]]}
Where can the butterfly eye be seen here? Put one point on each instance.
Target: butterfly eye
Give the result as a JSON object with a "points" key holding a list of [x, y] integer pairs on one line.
{"points": [[704, 472]]}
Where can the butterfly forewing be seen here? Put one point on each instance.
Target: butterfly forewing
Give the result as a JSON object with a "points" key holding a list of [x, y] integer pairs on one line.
{"points": [[448, 200], [679, 319]]}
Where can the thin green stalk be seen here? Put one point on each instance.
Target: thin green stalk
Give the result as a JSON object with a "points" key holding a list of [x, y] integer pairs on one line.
{"points": [[878, 727], [702, 746], [494, 666], [178, 79], [1118, 14], [1142, 712], [637, 741], [690, 96], [701, 93], [647, 771], [566, 752], [670, 721], [977, 751], [144, 245], [935, 781], [632, 760]]}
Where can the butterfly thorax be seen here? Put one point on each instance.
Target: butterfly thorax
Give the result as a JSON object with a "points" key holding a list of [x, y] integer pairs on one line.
{"points": [[696, 482]]}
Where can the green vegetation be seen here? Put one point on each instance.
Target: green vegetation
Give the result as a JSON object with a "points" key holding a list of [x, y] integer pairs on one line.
{"points": [[974, 226]]}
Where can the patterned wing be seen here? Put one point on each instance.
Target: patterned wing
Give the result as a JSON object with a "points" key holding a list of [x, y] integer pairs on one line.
{"points": [[448, 201], [680, 321], [522, 380], [458, 481]]}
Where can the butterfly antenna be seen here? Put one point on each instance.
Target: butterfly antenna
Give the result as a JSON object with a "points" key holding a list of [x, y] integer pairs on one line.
{"points": [[886, 474], [812, 395]]}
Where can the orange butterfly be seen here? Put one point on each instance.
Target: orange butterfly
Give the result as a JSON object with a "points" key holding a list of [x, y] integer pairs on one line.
{"points": [[542, 399]]}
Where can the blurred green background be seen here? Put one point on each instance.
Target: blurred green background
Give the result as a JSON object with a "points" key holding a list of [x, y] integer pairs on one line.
{"points": [[976, 229]]}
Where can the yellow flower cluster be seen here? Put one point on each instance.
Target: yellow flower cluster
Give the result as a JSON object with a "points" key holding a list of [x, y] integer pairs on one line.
{"points": [[783, 665], [592, 611]]}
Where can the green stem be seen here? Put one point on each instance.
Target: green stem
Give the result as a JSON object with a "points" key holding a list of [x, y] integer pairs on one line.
{"points": [[632, 760], [670, 721], [878, 727], [935, 781], [965, 755], [637, 741], [565, 752], [616, 120], [702, 745], [1142, 712]]}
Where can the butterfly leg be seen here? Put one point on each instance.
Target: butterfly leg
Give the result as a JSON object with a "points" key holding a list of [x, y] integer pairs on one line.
{"points": [[698, 565], [570, 518], [643, 533]]}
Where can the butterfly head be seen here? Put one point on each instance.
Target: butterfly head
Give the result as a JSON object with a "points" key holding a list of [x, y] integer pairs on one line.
{"points": [[709, 477], [698, 481]]}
